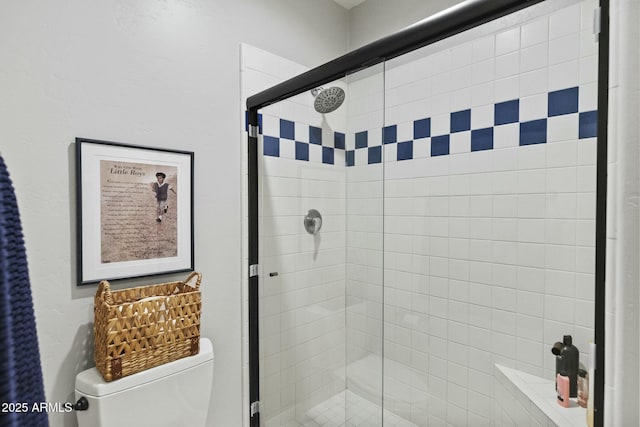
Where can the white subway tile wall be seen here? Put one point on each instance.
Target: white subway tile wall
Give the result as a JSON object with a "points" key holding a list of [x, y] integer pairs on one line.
{"points": [[458, 192]]}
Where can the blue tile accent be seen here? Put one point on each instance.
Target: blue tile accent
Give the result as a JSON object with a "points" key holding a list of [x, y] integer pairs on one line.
{"points": [[350, 157], [375, 154], [315, 135], [327, 155], [440, 145], [563, 101], [482, 139], [339, 140], [405, 150], [389, 134], [533, 132], [271, 146], [560, 102], [362, 139], [461, 121], [302, 151], [588, 124], [287, 129], [506, 112], [422, 128]]}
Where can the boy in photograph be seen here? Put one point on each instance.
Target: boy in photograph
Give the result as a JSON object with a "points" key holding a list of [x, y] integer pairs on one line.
{"points": [[161, 188]]}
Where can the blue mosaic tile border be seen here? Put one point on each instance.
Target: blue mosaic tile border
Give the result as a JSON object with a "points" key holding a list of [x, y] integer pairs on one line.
{"points": [[271, 144], [559, 103]]}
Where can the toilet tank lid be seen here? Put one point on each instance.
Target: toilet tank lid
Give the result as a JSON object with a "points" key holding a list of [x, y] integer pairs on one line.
{"points": [[91, 383]]}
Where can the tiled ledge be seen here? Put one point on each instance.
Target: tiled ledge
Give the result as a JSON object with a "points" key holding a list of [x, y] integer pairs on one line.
{"points": [[541, 392]]}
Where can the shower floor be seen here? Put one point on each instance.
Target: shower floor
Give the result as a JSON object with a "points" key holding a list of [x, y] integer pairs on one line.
{"points": [[362, 413]]}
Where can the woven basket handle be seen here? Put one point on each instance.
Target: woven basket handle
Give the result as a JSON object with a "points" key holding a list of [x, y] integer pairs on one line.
{"points": [[104, 292], [191, 276]]}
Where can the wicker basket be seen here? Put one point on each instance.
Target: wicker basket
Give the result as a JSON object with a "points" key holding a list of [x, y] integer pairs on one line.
{"points": [[140, 328]]}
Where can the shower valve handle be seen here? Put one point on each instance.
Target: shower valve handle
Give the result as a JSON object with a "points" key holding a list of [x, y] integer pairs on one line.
{"points": [[313, 221]]}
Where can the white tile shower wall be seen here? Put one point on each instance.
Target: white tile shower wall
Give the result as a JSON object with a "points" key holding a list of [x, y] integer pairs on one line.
{"points": [[302, 314], [302, 284], [488, 252]]}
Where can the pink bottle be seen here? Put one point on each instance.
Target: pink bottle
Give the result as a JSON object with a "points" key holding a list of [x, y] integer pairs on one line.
{"points": [[563, 387]]}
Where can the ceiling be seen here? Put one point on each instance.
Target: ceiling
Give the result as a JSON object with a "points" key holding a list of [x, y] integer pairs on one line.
{"points": [[348, 4]]}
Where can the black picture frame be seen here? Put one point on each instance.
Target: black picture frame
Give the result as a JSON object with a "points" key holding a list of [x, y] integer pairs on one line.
{"points": [[134, 211]]}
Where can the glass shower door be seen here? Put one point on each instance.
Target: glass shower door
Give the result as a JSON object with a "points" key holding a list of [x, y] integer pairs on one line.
{"points": [[302, 299], [449, 239], [489, 214], [364, 248], [321, 228]]}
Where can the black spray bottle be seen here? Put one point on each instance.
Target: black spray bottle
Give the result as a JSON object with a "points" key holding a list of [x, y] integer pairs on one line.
{"points": [[567, 359]]}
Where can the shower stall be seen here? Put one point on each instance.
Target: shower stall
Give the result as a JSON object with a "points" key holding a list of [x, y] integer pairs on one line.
{"points": [[422, 217]]}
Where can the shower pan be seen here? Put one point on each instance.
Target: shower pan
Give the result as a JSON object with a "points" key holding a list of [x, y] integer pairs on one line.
{"points": [[426, 226]]}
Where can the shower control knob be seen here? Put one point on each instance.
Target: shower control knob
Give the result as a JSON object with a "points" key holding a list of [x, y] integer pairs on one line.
{"points": [[313, 221]]}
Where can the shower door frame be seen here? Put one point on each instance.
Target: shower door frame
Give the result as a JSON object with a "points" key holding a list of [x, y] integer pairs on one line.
{"points": [[450, 22]]}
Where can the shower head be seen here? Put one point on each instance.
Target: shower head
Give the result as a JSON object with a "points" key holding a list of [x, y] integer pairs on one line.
{"points": [[327, 100]]}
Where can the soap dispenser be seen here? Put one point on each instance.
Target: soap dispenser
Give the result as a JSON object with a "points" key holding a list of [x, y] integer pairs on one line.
{"points": [[567, 358]]}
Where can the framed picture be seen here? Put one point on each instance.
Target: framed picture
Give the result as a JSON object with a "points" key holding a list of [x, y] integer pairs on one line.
{"points": [[135, 210]]}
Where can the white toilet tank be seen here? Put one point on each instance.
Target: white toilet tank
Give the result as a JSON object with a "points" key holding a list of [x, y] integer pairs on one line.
{"points": [[173, 394]]}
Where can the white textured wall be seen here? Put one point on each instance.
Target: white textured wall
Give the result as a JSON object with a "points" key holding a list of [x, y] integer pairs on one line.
{"points": [[375, 19], [622, 374], [154, 73]]}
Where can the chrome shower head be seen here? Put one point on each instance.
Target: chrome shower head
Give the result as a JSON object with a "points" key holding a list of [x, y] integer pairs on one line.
{"points": [[327, 100]]}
